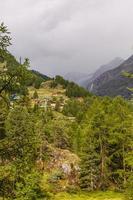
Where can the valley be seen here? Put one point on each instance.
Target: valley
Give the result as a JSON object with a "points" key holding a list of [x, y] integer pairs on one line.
{"points": [[59, 141]]}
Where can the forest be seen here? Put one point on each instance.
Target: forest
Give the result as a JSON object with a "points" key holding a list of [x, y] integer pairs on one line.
{"points": [[56, 138]]}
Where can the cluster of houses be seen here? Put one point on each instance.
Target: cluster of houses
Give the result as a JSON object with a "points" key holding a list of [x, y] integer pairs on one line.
{"points": [[50, 102], [43, 102]]}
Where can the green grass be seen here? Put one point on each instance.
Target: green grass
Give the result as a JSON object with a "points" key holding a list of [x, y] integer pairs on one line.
{"points": [[90, 196]]}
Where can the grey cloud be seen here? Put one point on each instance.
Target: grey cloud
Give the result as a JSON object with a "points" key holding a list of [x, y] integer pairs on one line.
{"points": [[68, 35]]}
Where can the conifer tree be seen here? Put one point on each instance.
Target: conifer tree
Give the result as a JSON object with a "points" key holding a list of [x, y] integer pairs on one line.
{"points": [[89, 171], [5, 39]]}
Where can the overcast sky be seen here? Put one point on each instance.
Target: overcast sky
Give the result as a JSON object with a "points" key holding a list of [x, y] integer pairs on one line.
{"points": [[60, 36]]}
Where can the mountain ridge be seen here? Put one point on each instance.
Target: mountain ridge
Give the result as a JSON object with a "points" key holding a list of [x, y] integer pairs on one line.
{"points": [[113, 82], [110, 65]]}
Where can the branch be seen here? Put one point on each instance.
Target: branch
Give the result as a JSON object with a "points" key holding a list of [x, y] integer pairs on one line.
{"points": [[6, 85]]}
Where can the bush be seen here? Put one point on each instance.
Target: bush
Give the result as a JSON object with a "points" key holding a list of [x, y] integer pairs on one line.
{"points": [[129, 189], [72, 189]]}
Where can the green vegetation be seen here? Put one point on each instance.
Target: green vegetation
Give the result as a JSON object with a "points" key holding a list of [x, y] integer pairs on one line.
{"points": [[36, 79], [72, 89], [59, 142], [108, 140], [90, 196]]}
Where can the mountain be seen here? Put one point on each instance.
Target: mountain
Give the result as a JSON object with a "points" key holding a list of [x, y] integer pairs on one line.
{"points": [[111, 65], [113, 82], [83, 82], [84, 79], [88, 80]]}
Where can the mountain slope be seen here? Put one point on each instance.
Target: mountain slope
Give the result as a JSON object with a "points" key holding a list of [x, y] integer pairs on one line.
{"points": [[88, 80], [111, 65], [83, 82], [40, 75], [112, 82]]}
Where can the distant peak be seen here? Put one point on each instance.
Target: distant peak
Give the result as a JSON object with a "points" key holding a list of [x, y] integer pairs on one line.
{"points": [[129, 60]]}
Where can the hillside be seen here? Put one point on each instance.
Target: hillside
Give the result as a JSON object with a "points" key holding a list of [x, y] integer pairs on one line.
{"points": [[10, 64], [88, 80], [44, 77], [111, 65], [113, 82]]}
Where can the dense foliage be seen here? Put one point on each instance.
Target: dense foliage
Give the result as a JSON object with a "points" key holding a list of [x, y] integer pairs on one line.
{"points": [[108, 133]]}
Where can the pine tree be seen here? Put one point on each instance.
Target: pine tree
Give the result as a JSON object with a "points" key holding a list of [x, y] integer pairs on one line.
{"points": [[5, 39], [89, 171]]}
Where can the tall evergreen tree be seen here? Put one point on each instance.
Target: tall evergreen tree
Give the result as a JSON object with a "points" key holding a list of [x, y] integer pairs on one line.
{"points": [[89, 170]]}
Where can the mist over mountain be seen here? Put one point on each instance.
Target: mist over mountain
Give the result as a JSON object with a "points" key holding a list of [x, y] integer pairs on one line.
{"points": [[87, 79], [84, 81], [111, 65], [113, 82]]}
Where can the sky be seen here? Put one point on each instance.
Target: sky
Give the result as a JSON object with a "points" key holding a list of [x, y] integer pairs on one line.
{"points": [[61, 36]]}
